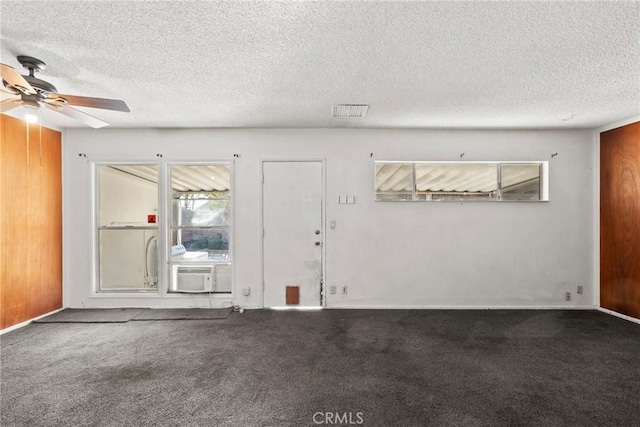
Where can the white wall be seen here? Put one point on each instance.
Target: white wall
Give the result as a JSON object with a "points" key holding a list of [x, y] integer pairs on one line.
{"points": [[446, 254]]}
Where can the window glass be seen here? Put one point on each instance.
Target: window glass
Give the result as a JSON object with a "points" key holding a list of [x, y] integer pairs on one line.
{"points": [[520, 182], [128, 259], [459, 181], [202, 244], [127, 194], [394, 181], [456, 181], [201, 210], [127, 227]]}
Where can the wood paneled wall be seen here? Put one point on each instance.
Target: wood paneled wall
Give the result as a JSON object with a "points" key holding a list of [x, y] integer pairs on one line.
{"points": [[620, 220], [30, 221]]}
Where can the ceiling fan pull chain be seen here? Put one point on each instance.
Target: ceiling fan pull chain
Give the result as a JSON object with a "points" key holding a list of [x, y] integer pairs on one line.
{"points": [[40, 128], [28, 146]]}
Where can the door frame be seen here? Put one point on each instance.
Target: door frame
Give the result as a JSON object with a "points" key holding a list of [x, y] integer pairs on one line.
{"points": [[323, 221]]}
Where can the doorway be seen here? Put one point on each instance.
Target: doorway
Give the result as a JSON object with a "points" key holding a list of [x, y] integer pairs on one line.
{"points": [[293, 234]]}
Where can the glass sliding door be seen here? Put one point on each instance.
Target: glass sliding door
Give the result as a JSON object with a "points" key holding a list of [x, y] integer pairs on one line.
{"points": [[127, 235]]}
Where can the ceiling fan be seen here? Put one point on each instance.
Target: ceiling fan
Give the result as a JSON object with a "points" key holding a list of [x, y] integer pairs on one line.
{"points": [[34, 92]]}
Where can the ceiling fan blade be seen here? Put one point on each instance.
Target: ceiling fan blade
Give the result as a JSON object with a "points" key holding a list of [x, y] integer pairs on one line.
{"points": [[15, 80], [84, 101], [9, 91], [80, 116], [9, 104]]}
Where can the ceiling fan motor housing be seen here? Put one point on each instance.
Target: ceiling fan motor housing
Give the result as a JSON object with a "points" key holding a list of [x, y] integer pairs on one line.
{"points": [[40, 85], [32, 100], [32, 64]]}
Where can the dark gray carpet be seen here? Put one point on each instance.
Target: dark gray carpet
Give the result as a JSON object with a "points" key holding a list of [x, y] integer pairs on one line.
{"points": [[266, 368], [92, 315], [184, 314]]}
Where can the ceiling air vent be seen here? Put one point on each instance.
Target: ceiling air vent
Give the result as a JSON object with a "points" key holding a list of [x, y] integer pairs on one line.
{"points": [[349, 111]]}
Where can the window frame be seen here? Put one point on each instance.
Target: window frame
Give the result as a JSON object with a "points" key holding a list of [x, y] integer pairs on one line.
{"points": [[172, 264], [97, 228], [543, 178]]}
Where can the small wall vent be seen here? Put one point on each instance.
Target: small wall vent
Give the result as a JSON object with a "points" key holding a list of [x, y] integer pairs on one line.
{"points": [[349, 111]]}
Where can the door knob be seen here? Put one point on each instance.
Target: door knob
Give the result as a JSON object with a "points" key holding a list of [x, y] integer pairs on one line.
{"points": [[317, 243], [317, 231]]}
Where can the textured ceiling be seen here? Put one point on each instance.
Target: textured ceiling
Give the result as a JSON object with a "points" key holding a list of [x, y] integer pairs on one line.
{"points": [[285, 64]]}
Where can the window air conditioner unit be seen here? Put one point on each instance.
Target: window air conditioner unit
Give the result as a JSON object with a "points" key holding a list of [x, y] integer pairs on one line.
{"points": [[194, 279]]}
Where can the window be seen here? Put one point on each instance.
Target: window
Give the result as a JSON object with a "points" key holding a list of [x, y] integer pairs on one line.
{"points": [[127, 227], [201, 225], [520, 181], [460, 181], [394, 181]]}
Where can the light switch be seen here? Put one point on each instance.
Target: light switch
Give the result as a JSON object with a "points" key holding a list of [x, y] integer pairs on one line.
{"points": [[332, 225]]}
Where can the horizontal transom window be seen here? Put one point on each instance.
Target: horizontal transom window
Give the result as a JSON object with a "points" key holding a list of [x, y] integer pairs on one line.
{"points": [[460, 181]]}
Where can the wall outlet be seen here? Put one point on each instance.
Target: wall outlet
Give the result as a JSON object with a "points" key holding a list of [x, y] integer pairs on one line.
{"points": [[332, 289], [246, 291], [580, 290], [345, 290], [567, 296]]}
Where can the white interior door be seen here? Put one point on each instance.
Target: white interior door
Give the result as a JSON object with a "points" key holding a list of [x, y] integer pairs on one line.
{"points": [[293, 234]]}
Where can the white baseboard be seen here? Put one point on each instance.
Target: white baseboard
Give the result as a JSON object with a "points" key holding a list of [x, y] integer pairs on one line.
{"points": [[25, 323], [460, 307], [622, 316]]}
